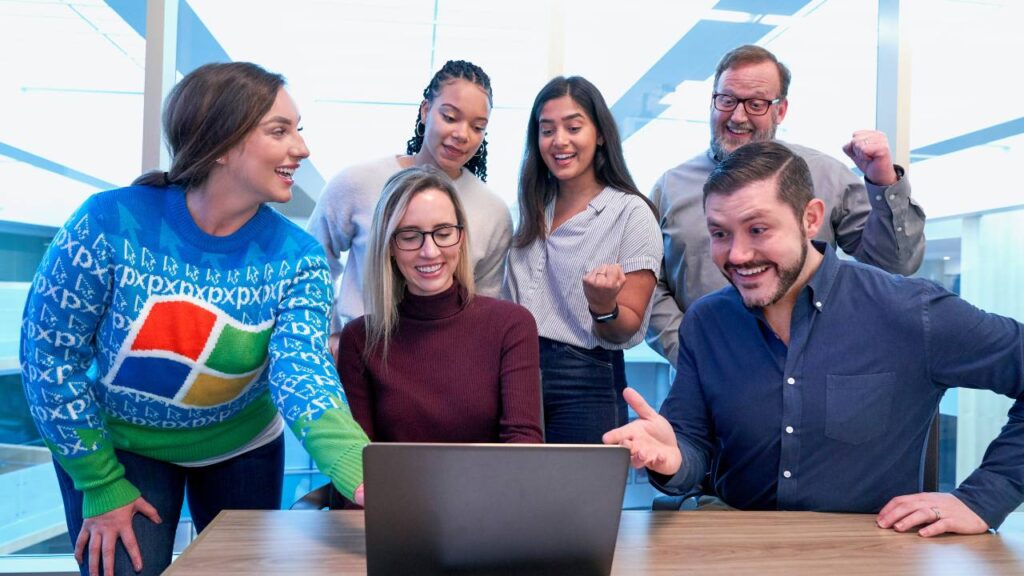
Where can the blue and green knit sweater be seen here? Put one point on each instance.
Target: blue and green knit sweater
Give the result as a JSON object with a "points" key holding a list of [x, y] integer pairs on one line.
{"points": [[144, 333]]}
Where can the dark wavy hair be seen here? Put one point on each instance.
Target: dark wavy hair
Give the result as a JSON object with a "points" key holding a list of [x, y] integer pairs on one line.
{"points": [[454, 70], [209, 112], [760, 161], [537, 186]]}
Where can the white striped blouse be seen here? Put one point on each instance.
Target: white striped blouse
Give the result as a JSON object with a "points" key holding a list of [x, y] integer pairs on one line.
{"points": [[546, 276]]}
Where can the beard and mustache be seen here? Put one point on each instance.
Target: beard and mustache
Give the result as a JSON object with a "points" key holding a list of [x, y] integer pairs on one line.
{"points": [[787, 276], [719, 133]]}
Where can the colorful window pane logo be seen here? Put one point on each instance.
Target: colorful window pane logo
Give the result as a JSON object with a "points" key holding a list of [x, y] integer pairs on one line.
{"points": [[190, 353]]}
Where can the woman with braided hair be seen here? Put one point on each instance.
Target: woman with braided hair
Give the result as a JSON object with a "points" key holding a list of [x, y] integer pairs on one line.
{"points": [[449, 134]]}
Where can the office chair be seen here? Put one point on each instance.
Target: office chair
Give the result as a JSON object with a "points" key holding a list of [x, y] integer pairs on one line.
{"points": [[325, 497], [688, 501]]}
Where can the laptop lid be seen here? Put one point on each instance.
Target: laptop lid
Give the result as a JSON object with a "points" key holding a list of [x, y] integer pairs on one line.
{"points": [[492, 508]]}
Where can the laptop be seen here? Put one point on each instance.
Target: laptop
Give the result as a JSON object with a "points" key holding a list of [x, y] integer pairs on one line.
{"points": [[476, 509]]}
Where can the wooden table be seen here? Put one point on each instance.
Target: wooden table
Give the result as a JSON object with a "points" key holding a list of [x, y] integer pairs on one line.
{"points": [[703, 542]]}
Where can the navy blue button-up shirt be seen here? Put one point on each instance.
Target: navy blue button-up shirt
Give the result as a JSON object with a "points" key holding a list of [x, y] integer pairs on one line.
{"points": [[838, 420]]}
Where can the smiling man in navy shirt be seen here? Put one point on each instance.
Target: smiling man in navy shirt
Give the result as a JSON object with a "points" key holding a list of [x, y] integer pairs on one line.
{"points": [[811, 382]]}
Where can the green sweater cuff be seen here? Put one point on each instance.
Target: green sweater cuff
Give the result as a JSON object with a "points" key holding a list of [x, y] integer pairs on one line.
{"points": [[98, 476], [335, 441], [347, 472], [106, 498]]}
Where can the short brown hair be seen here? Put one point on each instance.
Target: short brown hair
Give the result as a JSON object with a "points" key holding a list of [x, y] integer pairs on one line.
{"points": [[751, 54], [760, 161]]}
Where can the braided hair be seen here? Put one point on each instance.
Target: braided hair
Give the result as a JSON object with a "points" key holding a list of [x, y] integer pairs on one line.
{"points": [[454, 70]]}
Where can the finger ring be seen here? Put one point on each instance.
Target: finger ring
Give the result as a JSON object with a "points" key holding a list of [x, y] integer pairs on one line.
{"points": [[938, 515]]}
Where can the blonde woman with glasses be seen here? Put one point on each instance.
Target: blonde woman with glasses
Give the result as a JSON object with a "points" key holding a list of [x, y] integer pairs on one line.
{"points": [[431, 361]]}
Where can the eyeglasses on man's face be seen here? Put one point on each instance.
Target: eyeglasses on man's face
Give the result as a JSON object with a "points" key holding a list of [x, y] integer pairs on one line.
{"points": [[753, 106], [443, 237]]}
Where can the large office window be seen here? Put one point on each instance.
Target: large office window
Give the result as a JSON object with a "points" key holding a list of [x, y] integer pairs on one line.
{"points": [[966, 146], [71, 92]]}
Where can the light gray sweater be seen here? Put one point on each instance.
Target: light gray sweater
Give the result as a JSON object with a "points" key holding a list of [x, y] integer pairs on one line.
{"points": [[343, 214]]}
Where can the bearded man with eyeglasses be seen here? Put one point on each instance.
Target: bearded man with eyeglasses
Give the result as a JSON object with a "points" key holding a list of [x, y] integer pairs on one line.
{"points": [[873, 219]]}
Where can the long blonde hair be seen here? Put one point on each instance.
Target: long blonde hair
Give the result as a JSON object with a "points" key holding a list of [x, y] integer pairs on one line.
{"points": [[384, 284]]}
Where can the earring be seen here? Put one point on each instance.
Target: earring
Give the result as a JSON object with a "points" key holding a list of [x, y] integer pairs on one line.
{"points": [[421, 128]]}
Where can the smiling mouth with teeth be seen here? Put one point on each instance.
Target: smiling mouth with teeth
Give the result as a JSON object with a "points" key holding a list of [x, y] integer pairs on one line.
{"points": [[429, 269], [286, 172], [750, 271]]}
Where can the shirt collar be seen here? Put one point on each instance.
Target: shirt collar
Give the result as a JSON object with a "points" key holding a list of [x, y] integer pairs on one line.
{"points": [[714, 161], [817, 290], [598, 203], [821, 283]]}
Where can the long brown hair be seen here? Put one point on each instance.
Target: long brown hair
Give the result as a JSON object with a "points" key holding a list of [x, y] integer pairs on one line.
{"points": [[209, 112], [538, 187]]}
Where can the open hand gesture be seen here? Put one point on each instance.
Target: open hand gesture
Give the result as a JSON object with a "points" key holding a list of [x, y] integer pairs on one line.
{"points": [[650, 438]]}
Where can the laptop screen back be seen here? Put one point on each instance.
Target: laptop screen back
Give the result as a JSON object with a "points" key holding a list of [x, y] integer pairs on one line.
{"points": [[492, 508]]}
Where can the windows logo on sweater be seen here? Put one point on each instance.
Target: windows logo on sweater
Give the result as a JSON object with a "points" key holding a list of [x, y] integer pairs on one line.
{"points": [[189, 353]]}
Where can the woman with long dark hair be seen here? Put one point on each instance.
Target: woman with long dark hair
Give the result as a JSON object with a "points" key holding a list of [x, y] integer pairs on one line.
{"points": [[177, 326], [449, 134], [584, 260]]}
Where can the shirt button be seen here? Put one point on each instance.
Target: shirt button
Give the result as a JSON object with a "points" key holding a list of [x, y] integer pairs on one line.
{"points": [[878, 197], [892, 196], [789, 429], [817, 304], [899, 228], [787, 473], [790, 381]]}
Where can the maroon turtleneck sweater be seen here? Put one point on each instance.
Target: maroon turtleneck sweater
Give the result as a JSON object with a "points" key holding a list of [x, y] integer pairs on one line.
{"points": [[456, 371]]}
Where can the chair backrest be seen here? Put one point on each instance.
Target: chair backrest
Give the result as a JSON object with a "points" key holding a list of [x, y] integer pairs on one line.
{"points": [[931, 456], [325, 497], [317, 499]]}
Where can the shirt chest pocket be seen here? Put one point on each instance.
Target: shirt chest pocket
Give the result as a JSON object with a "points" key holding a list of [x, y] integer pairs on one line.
{"points": [[857, 407]]}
